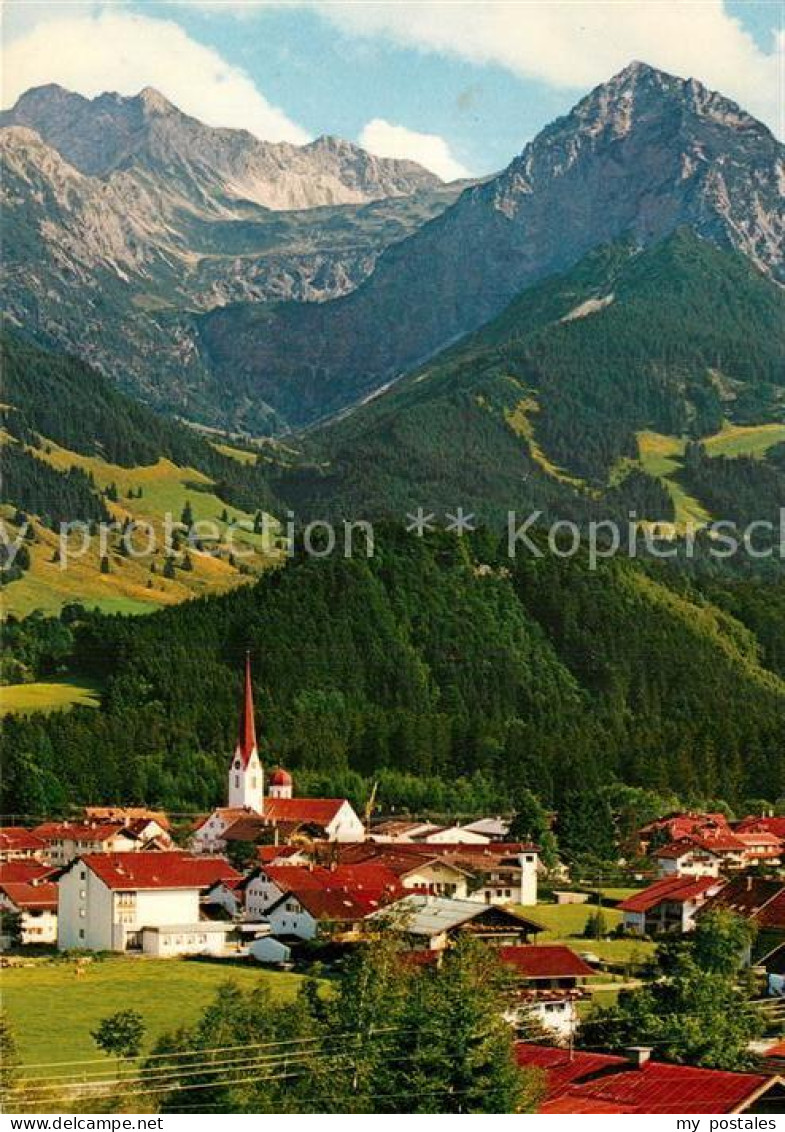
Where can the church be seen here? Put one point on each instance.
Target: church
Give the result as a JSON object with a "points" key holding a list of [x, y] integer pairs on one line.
{"points": [[277, 816]]}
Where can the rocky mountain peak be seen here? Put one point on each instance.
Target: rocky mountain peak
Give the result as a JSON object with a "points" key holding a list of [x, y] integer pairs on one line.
{"points": [[153, 102]]}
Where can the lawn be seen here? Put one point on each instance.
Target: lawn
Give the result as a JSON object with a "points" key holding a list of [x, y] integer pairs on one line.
{"points": [[565, 924], [54, 696], [52, 1010]]}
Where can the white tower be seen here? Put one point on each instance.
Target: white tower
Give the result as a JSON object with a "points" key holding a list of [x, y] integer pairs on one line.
{"points": [[246, 777]]}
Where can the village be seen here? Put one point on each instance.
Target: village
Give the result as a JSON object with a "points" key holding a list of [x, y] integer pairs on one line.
{"points": [[276, 881]]}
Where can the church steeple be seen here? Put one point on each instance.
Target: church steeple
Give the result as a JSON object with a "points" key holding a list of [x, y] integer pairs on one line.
{"points": [[246, 778], [246, 739]]}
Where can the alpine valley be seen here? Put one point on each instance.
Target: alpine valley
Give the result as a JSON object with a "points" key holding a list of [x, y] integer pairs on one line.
{"points": [[204, 324]]}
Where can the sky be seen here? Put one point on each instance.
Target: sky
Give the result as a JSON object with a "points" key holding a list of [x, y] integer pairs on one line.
{"points": [[458, 85]]}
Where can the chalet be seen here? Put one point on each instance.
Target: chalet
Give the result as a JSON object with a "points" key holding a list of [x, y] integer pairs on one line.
{"points": [[684, 858], [760, 900], [764, 824], [32, 904], [495, 829], [417, 872], [66, 840], [18, 844], [673, 827], [548, 981], [323, 902], [433, 922], [278, 816], [761, 847], [139, 902], [496, 873], [668, 905], [582, 1081], [267, 887]]}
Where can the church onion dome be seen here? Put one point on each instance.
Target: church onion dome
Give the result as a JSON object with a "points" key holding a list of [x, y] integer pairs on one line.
{"points": [[280, 777]]}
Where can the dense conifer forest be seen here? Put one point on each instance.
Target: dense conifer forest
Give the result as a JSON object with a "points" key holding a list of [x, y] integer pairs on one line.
{"points": [[453, 673]]}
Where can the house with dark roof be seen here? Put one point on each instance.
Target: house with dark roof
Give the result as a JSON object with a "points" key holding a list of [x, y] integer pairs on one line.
{"points": [[668, 905], [582, 1081], [434, 922], [547, 984], [140, 902], [761, 900]]}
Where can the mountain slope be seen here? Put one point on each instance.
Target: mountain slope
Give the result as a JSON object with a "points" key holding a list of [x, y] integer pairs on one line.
{"points": [[545, 406], [123, 216], [433, 659], [76, 449], [639, 157]]}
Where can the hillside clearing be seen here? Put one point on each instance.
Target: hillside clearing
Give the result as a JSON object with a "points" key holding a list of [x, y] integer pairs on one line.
{"points": [[55, 695]]}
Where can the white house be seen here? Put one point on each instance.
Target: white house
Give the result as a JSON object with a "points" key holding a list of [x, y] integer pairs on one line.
{"points": [[106, 901], [668, 905], [684, 858], [509, 880], [34, 905]]}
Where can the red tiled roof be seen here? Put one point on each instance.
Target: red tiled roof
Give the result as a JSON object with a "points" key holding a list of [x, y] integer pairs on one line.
{"points": [[345, 892], [316, 811], [675, 849], [769, 825], [756, 898], [80, 831], [158, 870], [676, 890], [296, 878], [15, 839], [40, 897], [341, 904], [545, 961], [280, 777], [579, 1081], [123, 813], [23, 872], [269, 853]]}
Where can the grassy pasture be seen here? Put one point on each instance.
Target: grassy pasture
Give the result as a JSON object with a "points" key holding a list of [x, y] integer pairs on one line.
{"points": [[52, 1011], [55, 695]]}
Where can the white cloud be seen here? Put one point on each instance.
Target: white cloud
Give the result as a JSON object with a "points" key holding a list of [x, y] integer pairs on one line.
{"points": [[577, 45], [117, 50], [388, 140]]}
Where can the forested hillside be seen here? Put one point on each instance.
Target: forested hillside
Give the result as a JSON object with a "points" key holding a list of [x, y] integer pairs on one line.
{"points": [[436, 662], [544, 407]]}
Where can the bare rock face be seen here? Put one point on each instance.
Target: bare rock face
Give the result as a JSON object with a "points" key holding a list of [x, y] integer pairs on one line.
{"points": [[639, 157], [123, 216], [147, 135]]}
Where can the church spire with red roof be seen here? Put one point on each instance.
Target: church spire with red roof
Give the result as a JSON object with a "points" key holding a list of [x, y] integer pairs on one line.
{"points": [[246, 777], [246, 740]]}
